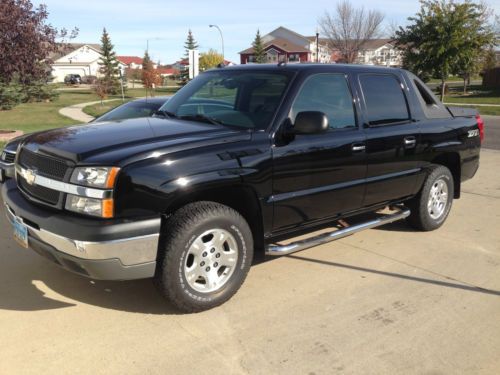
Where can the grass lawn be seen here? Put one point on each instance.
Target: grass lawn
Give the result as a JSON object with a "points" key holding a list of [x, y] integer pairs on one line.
{"points": [[476, 95], [454, 79], [97, 110], [30, 117]]}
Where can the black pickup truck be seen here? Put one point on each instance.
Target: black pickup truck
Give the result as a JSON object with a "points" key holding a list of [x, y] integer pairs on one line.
{"points": [[240, 159]]}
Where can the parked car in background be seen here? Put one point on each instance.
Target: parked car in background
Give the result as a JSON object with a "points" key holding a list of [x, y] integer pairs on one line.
{"points": [[144, 107], [89, 80], [73, 79]]}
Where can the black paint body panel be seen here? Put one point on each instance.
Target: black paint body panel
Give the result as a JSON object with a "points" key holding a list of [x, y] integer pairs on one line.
{"points": [[296, 181]]}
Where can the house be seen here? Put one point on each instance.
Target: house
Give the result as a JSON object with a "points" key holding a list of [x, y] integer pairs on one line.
{"points": [[168, 72], [283, 44], [181, 65], [380, 52], [133, 62], [76, 58]]}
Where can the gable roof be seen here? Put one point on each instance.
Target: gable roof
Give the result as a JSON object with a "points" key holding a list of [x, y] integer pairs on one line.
{"points": [[127, 60], [289, 31], [281, 44], [64, 49], [370, 43]]}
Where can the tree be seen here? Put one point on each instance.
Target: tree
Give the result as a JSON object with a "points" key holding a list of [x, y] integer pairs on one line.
{"points": [[108, 64], [259, 53], [348, 29], [190, 43], [490, 60], [133, 75], [26, 43], [479, 36], [444, 37], [150, 76], [101, 89], [210, 59]]}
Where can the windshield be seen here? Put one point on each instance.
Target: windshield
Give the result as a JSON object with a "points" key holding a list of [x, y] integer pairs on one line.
{"points": [[246, 99], [131, 110]]}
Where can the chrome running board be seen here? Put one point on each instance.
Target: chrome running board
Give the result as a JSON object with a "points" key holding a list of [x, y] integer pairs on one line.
{"points": [[276, 249]]}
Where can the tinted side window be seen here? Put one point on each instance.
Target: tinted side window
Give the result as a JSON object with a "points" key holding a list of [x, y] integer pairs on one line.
{"points": [[384, 98], [432, 107], [330, 94]]}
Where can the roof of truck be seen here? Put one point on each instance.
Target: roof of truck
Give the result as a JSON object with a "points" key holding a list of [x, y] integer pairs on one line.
{"points": [[311, 66]]}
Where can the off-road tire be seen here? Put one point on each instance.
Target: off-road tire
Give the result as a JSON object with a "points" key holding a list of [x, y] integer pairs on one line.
{"points": [[181, 230], [421, 217]]}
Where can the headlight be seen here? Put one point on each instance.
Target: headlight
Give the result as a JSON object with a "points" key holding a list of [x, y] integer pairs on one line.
{"points": [[99, 177], [90, 206]]}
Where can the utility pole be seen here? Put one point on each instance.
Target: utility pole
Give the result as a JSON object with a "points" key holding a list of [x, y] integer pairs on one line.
{"points": [[317, 47]]}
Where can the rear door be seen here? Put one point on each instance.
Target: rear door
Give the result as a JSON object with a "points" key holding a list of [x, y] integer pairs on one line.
{"points": [[392, 137]]}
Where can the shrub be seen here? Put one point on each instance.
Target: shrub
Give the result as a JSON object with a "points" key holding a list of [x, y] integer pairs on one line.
{"points": [[39, 92], [11, 94]]}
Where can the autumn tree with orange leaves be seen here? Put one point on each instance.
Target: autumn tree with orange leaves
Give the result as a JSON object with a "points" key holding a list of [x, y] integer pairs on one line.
{"points": [[150, 76]]}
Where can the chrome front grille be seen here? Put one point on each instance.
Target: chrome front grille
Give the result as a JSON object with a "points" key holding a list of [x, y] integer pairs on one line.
{"points": [[42, 165], [41, 193]]}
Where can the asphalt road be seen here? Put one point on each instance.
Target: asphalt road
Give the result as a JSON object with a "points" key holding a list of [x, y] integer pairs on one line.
{"points": [[492, 132], [384, 301]]}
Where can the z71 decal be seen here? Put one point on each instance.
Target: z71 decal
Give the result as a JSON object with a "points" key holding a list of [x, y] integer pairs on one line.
{"points": [[473, 133]]}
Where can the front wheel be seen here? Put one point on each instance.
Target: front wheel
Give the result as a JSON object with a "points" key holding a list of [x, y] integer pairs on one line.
{"points": [[430, 208], [207, 254]]}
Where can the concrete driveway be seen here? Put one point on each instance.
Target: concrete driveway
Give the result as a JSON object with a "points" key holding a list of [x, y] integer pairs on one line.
{"points": [[492, 132], [384, 301]]}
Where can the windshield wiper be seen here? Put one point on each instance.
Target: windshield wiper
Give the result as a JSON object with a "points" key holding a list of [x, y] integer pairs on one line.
{"points": [[204, 118], [166, 114]]}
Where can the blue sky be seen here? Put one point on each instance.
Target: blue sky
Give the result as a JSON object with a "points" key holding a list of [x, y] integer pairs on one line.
{"points": [[165, 23]]}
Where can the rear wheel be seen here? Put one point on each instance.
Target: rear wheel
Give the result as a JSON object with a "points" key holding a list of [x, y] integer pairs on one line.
{"points": [[207, 254], [430, 208]]}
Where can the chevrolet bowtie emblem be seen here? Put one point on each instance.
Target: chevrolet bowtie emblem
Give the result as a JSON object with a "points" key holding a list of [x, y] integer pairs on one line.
{"points": [[30, 176]]}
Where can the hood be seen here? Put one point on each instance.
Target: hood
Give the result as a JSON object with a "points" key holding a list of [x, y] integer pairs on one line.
{"points": [[112, 142]]}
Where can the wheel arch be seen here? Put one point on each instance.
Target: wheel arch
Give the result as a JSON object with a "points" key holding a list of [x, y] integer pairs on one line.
{"points": [[242, 198], [451, 160]]}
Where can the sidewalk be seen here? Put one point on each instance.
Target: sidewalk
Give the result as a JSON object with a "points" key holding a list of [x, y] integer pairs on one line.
{"points": [[473, 104], [75, 111]]}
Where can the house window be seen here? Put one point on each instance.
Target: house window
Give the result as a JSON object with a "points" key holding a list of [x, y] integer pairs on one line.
{"points": [[294, 57]]}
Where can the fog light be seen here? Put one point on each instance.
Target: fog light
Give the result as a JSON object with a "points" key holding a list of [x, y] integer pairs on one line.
{"points": [[90, 206]]}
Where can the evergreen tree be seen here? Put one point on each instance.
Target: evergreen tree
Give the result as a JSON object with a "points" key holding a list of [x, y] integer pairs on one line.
{"points": [[108, 65], [190, 43], [259, 54]]}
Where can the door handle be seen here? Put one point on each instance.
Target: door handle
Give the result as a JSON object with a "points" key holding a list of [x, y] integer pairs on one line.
{"points": [[358, 147], [410, 142]]}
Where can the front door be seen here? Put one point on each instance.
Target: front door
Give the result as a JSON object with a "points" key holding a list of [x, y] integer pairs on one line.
{"points": [[319, 176]]}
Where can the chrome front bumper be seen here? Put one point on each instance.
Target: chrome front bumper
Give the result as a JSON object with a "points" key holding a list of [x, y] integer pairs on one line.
{"points": [[119, 259]]}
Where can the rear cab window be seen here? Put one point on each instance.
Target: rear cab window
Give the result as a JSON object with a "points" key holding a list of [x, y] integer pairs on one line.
{"points": [[385, 100], [430, 104]]}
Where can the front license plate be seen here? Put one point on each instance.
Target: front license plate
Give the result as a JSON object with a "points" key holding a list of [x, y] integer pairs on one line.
{"points": [[20, 233]]}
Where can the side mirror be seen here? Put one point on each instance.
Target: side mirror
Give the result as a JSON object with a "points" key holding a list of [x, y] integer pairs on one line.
{"points": [[310, 122]]}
